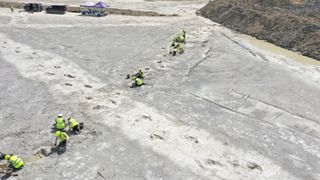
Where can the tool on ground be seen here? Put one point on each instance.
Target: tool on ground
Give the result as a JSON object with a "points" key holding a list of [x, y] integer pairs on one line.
{"points": [[6, 170]]}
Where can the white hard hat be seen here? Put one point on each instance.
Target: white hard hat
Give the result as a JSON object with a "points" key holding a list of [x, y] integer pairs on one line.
{"points": [[60, 115]]}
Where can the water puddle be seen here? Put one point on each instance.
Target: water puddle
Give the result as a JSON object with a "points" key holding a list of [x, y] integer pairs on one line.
{"points": [[278, 50]]}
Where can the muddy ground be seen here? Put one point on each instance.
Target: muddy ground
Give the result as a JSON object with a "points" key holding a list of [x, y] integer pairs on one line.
{"points": [[223, 110], [292, 24]]}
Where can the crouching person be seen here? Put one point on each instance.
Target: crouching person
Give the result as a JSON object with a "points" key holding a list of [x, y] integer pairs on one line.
{"points": [[140, 74], [60, 123], [63, 139], [74, 125], [15, 162], [137, 82]]}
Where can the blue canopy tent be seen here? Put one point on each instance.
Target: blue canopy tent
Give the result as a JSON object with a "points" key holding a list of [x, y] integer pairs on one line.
{"points": [[101, 5]]}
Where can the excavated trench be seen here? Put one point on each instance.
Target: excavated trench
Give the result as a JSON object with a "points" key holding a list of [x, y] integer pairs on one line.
{"points": [[291, 25]]}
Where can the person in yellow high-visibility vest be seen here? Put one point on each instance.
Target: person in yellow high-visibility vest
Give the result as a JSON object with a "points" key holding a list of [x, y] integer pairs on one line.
{"points": [[15, 162], [60, 123], [63, 139], [74, 125], [137, 82], [140, 74]]}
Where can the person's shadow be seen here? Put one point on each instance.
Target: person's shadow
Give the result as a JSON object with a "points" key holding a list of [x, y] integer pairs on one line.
{"points": [[6, 176], [58, 149], [48, 151]]}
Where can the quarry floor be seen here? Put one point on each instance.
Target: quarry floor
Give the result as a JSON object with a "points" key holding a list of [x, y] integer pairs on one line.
{"points": [[225, 109]]}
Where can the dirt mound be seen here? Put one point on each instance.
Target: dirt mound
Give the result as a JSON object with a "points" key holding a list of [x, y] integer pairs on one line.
{"points": [[292, 24]]}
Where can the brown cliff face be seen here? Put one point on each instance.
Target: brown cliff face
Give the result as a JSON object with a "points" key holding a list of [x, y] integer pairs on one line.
{"points": [[292, 24]]}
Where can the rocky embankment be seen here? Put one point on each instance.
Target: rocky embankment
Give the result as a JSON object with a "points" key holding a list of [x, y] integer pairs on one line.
{"points": [[292, 24]]}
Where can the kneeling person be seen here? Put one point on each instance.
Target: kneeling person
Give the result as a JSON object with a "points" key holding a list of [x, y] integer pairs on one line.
{"points": [[140, 74], [60, 123], [137, 82], [74, 125], [15, 162]]}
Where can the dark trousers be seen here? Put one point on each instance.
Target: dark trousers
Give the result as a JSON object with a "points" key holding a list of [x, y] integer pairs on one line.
{"points": [[76, 129], [15, 169], [62, 143]]}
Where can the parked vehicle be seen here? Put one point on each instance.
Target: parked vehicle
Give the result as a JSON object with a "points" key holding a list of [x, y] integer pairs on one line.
{"points": [[33, 7], [56, 9]]}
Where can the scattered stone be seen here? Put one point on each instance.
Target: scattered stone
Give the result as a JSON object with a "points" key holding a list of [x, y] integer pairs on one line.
{"points": [[17, 51], [68, 84], [69, 75], [88, 97], [159, 62], [5, 42], [200, 164], [194, 139], [100, 174], [156, 136], [41, 65], [57, 67], [19, 133], [253, 165], [88, 86], [95, 133], [235, 165], [213, 162], [147, 68], [34, 53], [225, 143], [113, 101], [190, 137], [41, 152], [97, 107], [147, 117], [50, 73]]}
